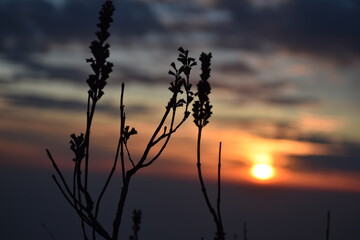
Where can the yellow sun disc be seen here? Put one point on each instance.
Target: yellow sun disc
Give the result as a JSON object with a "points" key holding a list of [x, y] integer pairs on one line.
{"points": [[262, 171]]}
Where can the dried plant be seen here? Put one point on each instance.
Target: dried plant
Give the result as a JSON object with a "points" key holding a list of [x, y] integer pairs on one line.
{"points": [[76, 190], [328, 215], [202, 113]]}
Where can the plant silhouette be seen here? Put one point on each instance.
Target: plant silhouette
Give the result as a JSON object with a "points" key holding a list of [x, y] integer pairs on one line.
{"points": [[76, 191]]}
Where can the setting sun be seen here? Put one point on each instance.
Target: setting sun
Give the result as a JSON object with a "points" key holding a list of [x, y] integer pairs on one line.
{"points": [[262, 171]]}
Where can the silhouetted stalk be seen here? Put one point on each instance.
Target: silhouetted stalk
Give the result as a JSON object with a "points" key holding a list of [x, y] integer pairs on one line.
{"points": [[79, 196], [203, 188], [141, 164], [122, 127], [81, 209], [122, 123], [129, 174], [328, 226], [245, 231], [80, 143], [219, 191], [220, 235], [202, 113], [90, 116], [121, 204]]}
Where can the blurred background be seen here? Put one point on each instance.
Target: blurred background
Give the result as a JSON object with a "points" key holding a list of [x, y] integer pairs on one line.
{"points": [[285, 95]]}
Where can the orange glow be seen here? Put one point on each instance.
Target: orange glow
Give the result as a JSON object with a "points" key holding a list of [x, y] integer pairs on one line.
{"points": [[262, 171], [262, 158]]}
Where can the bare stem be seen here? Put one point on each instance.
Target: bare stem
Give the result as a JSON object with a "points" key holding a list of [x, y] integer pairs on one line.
{"points": [[328, 226], [90, 116], [122, 126], [203, 188], [122, 123], [219, 190], [121, 204], [245, 231]]}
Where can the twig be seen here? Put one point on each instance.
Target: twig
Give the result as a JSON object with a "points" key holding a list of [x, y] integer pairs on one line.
{"points": [[328, 225], [219, 190], [122, 120], [245, 231]]}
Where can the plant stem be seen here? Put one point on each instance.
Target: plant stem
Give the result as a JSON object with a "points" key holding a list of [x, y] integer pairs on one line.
{"points": [[220, 232], [245, 231], [219, 193], [122, 120], [328, 226], [121, 204]]}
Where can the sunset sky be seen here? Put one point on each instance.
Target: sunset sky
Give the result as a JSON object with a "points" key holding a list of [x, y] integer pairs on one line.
{"points": [[285, 94]]}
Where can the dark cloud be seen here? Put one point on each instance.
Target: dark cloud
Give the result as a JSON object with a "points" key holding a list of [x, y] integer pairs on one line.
{"points": [[326, 28], [234, 68], [32, 26], [281, 129], [42, 102], [257, 89], [131, 74], [269, 92], [37, 70], [347, 159], [290, 101]]}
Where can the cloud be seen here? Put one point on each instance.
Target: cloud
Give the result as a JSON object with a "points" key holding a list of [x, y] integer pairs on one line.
{"points": [[44, 102], [290, 101], [48, 103], [33, 26], [257, 89], [346, 159], [38, 70], [288, 128], [267, 92], [320, 123], [128, 74], [324, 28], [234, 68]]}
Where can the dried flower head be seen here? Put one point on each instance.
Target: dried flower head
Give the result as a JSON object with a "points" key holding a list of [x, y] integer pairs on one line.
{"points": [[182, 82], [201, 107], [100, 50], [77, 145]]}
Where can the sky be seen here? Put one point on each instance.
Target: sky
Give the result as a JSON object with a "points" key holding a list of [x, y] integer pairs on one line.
{"points": [[285, 95]]}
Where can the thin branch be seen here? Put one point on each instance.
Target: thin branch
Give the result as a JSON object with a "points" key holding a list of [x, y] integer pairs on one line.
{"points": [[245, 231], [150, 144], [87, 135], [166, 141], [63, 192], [81, 207], [122, 123], [122, 126], [203, 188], [121, 203], [58, 172], [129, 155], [219, 188], [81, 215], [328, 226]]}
